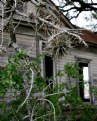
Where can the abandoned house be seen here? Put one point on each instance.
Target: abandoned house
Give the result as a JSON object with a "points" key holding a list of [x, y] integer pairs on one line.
{"points": [[28, 39]]}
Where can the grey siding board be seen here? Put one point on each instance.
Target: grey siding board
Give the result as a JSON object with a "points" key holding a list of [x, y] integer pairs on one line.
{"points": [[27, 43], [3, 61], [23, 41]]}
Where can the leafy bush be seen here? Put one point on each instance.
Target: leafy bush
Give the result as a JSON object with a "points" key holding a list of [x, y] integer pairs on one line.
{"points": [[25, 95]]}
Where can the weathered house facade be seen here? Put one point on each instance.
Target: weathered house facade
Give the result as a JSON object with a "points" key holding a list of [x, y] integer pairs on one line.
{"points": [[86, 58], [29, 40]]}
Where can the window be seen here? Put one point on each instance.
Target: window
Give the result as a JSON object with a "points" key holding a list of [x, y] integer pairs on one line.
{"points": [[84, 84], [48, 69]]}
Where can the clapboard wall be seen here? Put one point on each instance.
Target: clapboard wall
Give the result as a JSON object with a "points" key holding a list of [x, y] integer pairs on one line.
{"points": [[90, 54], [25, 40]]}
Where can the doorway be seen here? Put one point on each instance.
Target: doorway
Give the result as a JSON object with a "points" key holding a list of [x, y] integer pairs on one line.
{"points": [[48, 69]]}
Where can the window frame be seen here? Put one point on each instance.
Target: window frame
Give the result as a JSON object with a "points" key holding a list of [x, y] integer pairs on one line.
{"points": [[41, 47], [86, 61]]}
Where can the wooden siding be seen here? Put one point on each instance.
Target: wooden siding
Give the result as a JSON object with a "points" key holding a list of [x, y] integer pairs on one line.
{"points": [[88, 53], [24, 42], [27, 43]]}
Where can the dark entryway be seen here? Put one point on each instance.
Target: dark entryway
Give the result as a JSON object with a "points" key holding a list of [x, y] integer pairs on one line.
{"points": [[48, 69]]}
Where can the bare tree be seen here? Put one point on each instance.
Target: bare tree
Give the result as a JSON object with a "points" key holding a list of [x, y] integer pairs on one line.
{"points": [[9, 10], [77, 6]]}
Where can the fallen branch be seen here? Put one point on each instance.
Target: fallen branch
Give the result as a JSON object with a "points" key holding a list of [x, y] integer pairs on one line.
{"points": [[61, 29]]}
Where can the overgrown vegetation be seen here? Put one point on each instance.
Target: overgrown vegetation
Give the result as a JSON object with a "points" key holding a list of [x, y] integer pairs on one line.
{"points": [[25, 95]]}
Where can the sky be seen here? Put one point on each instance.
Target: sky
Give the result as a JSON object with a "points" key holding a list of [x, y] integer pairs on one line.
{"points": [[81, 20]]}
